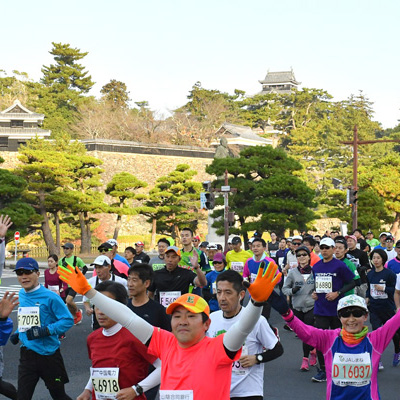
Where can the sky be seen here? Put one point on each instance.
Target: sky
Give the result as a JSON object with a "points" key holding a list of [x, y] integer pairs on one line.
{"points": [[161, 48]]}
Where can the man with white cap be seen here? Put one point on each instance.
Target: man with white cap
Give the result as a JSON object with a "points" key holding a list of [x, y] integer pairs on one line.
{"points": [[102, 266], [332, 279], [187, 350], [291, 259]]}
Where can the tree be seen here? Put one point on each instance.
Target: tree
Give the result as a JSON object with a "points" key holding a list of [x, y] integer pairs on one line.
{"points": [[123, 187], [116, 93], [61, 178], [174, 202], [13, 204], [269, 194], [62, 88]]}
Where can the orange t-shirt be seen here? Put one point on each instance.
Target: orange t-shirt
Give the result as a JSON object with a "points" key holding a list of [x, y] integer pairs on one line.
{"points": [[204, 368], [314, 258]]}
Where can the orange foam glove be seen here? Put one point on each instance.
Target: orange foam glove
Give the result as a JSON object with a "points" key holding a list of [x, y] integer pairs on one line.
{"points": [[264, 284], [74, 278]]}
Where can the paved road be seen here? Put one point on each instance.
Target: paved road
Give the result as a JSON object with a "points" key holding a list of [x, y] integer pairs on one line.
{"points": [[283, 378]]}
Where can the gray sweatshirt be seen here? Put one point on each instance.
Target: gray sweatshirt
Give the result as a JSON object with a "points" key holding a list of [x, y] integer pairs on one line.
{"points": [[302, 300]]}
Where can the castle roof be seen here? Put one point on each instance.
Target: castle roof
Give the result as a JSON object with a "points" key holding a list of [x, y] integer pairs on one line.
{"points": [[280, 77]]}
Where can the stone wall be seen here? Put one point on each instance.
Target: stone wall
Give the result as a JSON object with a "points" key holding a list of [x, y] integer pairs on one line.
{"points": [[142, 164]]}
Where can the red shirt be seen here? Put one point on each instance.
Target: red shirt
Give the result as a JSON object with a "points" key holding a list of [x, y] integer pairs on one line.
{"points": [[121, 350], [204, 368]]}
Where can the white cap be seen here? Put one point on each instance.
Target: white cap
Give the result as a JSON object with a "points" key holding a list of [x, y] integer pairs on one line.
{"points": [[352, 301], [230, 240], [101, 260], [297, 237], [113, 242], [327, 242], [385, 233], [212, 246], [251, 240]]}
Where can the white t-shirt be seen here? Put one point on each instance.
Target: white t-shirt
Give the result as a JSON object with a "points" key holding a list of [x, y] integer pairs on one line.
{"points": [[391, 254], [118, 279], [398, 282], [246, 381]]}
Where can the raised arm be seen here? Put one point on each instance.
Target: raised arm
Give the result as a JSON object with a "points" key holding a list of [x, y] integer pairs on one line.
{"points": [[115, 310]]}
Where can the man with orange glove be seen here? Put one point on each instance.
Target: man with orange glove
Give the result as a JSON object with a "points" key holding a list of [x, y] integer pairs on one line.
{"points": [[187, 349]]}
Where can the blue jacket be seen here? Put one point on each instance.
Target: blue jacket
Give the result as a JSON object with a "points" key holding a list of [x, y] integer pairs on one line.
{"points": [[5, 330], [53, 313]]}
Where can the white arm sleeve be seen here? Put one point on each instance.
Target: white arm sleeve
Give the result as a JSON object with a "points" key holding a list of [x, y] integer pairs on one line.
{"points": [[89, 385], [153, 379], [236, 335], [123, 315]]}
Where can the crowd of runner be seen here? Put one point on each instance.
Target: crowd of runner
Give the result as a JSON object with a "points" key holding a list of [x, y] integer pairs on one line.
{"points": [[198, 304]]}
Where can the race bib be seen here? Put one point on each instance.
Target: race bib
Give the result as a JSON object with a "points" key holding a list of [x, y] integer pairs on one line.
{"points": [[54, 288], [253, 277], [272, 253], [323, 284], [351, 369], [105, 382], [214, 287], [280, 261], [237, 266], [305, 277], [293, 264], [378, 294], [166, 298], [237, 367], [176, 394], [28, 317], [157, 267]]}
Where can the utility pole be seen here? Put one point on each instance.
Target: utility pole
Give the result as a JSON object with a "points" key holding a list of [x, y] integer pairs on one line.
{"points": [[355, 143]]}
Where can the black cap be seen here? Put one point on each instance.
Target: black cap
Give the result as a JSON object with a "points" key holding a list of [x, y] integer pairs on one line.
{"points": [[105, 246], [236, 240], [398, 243], [389, 237], [304, 248], [67, 246], [204, 244]]}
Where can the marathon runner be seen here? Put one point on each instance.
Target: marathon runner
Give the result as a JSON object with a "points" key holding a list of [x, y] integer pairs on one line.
{"points": [[75, 261], [352, 354], [237, 257], [332, 279], [394, 264], [42, 317], [260, 346], [119, 361], [172, 281], [300, 284], [141, 256], [381, 287], [193, 365], [158, 262], [114, 252], [102, 266]]}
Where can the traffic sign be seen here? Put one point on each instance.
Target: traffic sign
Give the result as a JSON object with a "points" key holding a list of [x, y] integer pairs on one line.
{"points": [[16, 236]]}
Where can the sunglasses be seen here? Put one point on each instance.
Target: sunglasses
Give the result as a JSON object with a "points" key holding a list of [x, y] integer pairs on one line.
{"points": [[323, 247], [355, 312], [21, 272], [302, 255], [218, 262], [296, 243]]}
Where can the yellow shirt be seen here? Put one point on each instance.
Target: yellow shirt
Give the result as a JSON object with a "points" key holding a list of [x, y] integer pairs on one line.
{"points": [[236, 260]]}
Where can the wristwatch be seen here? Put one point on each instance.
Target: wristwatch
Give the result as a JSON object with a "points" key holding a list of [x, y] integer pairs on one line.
{"points": [[259, 358], [138, 389]]}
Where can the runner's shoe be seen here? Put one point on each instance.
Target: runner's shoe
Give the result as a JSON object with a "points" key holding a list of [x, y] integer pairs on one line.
{"points": [[313, 358], [304, 365], [320, 377], [381, 365], [287, 328], [78, 317], [396, 359]]}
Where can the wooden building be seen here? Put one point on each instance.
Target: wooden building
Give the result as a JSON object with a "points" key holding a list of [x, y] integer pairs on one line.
{"points": [[279, 82], [17, 125]]}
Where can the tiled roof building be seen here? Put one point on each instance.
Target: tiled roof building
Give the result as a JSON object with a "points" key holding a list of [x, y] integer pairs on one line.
{"points": [[279, 82]]}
